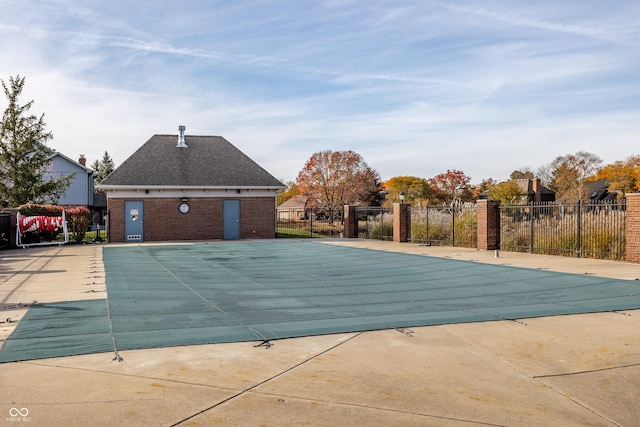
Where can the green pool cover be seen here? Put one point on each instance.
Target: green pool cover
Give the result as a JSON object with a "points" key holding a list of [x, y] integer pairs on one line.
{"points": [[161, 296]]}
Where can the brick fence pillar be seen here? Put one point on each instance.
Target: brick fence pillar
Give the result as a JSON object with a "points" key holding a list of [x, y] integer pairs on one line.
{"points": [[632, 228], [401, 222], [350, 222], [488, 225]]}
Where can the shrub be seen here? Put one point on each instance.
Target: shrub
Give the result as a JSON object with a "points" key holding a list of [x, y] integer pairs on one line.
{"points": [[433, 225], [78, 221], [602, 234], [379, 226], [31, 209]]}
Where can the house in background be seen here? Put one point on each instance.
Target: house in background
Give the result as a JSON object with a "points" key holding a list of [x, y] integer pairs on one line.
{"points": [[293, 209], [187, 187], [80, 191], [599, 191], [535, 191]]}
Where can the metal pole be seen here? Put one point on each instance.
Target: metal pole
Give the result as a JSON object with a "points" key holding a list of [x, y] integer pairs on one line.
{"points": [[579, 229], [426, 232], [453, 224], [531, 221]]}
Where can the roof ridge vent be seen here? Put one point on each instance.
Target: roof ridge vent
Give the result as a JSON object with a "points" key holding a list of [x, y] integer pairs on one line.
{"points": [[181, 142]]}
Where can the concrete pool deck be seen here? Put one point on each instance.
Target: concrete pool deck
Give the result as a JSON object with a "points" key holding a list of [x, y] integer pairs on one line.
{"points": [[561, 370]]}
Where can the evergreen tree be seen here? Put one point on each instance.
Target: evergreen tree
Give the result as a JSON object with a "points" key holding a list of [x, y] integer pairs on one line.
{"points": [[24, 154], [103, 167], [96, 167]]}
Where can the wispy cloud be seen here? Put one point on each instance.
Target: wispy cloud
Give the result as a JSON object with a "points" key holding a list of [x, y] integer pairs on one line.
{"points": [[415, 87], [536, 15]]}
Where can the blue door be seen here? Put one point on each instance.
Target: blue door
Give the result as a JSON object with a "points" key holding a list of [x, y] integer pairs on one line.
{"points": [[231, 219], [133, 221]]}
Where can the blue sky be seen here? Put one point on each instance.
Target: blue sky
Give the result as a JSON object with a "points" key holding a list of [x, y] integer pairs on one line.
{"points": [[415, 87]]}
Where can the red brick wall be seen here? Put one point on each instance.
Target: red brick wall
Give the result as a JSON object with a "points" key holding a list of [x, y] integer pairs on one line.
{"points": [[164, 222], [350, 222], [257, 217], [401, 222], [488, 225], [115, 220], [632, 228]]}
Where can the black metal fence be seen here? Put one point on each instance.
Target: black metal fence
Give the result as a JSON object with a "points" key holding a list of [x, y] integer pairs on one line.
{"points": [[297, 223], [453, 225], [375, 222], [577, 229], [432, 225]]}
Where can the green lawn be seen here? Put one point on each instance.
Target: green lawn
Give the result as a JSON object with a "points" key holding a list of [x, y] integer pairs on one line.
{"points": [[292, 233]]}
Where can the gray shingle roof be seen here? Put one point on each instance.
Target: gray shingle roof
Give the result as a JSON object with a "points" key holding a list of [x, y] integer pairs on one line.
{"points": [[207, 161]]}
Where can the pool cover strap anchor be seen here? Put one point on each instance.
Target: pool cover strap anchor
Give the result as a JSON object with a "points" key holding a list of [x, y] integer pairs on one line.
{"points": [[266, 343], [407, 332]]}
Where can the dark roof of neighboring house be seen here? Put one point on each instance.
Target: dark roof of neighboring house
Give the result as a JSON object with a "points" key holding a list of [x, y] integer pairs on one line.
{"points": [[206, 161], [599, 190], [526, 185], [99, 200]]}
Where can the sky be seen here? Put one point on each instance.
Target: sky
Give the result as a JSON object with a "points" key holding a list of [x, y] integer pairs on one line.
{"points": [[415, 87]]}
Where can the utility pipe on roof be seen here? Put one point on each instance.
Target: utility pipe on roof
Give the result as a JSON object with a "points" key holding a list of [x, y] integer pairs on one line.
{"points": [[181, 142]]}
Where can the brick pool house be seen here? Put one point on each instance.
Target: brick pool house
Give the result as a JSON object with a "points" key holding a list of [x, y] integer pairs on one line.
{"points": [[189, 187]]}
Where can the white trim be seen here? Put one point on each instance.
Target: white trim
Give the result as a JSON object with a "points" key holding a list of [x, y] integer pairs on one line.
{"points": [[189, 193], [183, 188], [69, 159]]}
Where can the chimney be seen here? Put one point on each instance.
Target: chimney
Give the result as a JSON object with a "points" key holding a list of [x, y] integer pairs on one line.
{"points": [[537, 195], [181, 142], [82, 160]]}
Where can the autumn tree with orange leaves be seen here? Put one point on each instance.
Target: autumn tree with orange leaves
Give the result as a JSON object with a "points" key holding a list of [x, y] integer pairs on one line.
{"points": [[570, 174], [416, 190], [291, 190], [332, 179], [623, 176], [452, 187]]}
